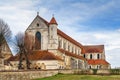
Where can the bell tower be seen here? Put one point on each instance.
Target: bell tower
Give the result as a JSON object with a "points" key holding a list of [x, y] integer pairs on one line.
{"points": [[53, 38]]}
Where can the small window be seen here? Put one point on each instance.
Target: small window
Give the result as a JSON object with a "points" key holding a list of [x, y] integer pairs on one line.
{"points": [[72, 49], [76, 51], [84, 55], [90, 67], [59, 44], [64, 46], [98, 56], [68, 47], [90, 56], [39, 68], [37, 24], [23, 59]]}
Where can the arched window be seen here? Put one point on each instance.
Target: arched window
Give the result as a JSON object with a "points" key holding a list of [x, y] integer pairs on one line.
{"points": [[64, 46], [69, 48], [72, 50], [76, 51], [79, 52], [90, 56], [59, 43], [84, 56], [98, 56], [97, 66], [38, 40], [90, 67]]}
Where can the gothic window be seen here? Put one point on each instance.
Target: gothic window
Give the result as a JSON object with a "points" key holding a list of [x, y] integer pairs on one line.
{"points": [[98, 56], [38, 40], [90, 56]]}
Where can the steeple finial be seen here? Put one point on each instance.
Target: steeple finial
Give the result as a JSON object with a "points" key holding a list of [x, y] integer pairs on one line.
{"points": [[52, 15], [37, 13], [53, 21]]}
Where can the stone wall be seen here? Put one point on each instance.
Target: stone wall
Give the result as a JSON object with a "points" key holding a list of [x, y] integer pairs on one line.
{"points": [[103, 71], [66, 71], [26, 75]]}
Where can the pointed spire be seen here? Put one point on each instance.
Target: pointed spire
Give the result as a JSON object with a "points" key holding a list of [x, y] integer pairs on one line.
{"points": [[53, 21], [37, 13]]}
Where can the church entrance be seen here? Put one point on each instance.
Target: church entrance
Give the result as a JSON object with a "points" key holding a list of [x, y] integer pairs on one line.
{"points": [[38, 41]]}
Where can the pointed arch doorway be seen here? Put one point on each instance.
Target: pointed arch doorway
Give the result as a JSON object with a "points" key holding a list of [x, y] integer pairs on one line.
{"points": [[38, 41]]}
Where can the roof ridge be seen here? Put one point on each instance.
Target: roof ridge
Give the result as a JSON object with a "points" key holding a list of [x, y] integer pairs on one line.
{"points": [[93, 45], [69, 38], [43, 19]]}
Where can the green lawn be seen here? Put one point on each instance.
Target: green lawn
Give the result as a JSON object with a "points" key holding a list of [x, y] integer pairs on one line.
{"points": [[82, 77]]}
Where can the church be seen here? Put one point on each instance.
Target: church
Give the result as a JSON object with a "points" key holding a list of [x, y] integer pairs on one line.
{"points": [[53, 49], [5, 54]]}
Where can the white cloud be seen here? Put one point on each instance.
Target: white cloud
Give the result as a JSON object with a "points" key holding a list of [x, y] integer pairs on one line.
{"points": [[111, 40], [19, 14], [118, 30]]}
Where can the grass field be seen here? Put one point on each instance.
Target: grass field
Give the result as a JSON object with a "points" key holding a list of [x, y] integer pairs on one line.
{"points": [[81, 77]]}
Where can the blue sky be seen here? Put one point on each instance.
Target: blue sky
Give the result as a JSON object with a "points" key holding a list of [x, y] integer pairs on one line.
{"points": [[87, 21]]}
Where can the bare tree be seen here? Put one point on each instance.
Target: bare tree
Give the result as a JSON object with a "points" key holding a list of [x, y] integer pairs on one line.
{"points": [[5, 33], [24, 45]]}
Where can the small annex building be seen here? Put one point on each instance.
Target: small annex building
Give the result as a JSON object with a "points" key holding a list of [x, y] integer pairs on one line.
{"points": [[95, 55]]}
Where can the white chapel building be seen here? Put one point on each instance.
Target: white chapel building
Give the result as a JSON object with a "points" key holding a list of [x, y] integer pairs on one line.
{"points": [[53, 49]]}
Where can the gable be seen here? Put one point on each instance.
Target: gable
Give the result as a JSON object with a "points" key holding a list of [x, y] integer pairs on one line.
{"points": [[38, 23], [6, 52]]}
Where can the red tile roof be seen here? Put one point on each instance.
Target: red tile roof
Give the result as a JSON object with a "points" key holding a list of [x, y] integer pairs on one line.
{"points": [[94, 49], [71, 54], [59, 32], [98, 62], [53, 21], [38, 55], [43, 55]]}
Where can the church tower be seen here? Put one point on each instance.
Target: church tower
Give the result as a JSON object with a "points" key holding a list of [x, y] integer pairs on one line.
{"points": [[53, 38]]}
